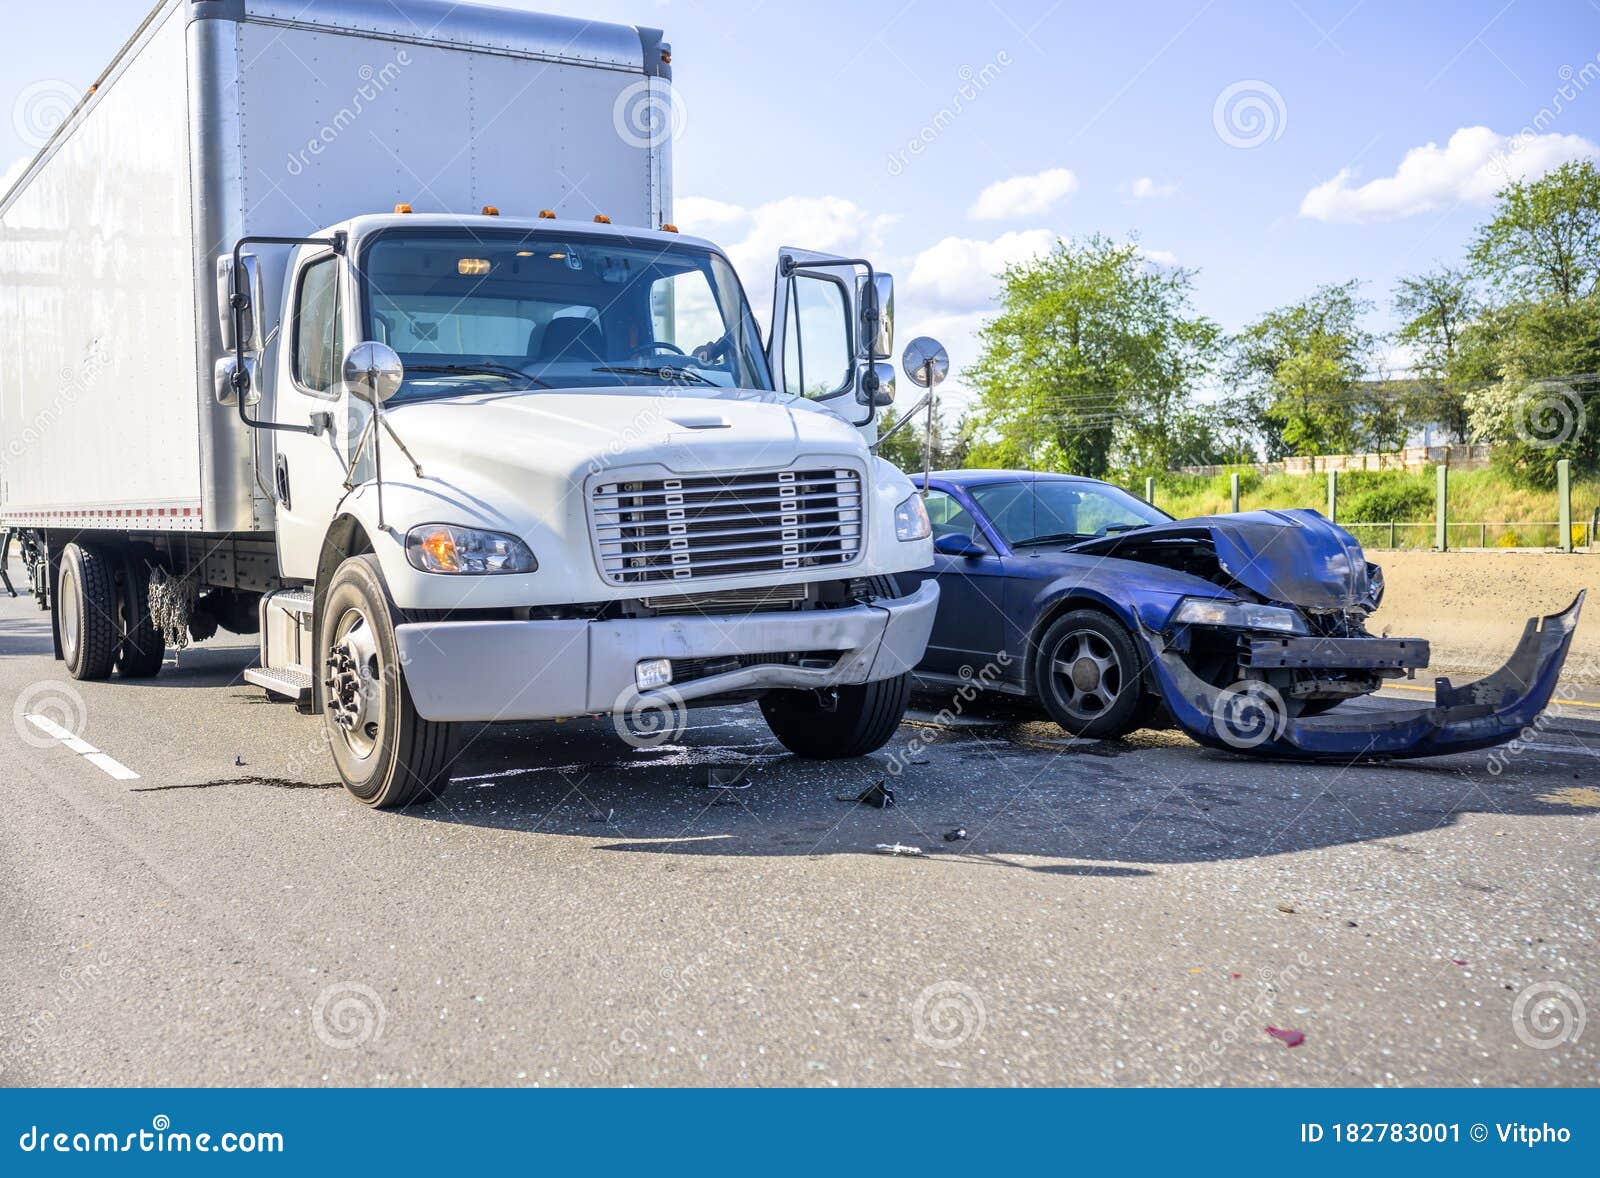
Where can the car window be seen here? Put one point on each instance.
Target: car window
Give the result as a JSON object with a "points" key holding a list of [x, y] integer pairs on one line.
{"points": [[1024, 511], [949, 517]]}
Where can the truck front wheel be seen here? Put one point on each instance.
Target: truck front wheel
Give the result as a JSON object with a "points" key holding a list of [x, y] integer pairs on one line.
{"points": [[838, 722], [387, 754], [86, 611]]}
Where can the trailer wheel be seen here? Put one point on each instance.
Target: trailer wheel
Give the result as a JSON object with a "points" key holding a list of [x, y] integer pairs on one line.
{"points": [[388, 755], [144, 647], [86, 611]]}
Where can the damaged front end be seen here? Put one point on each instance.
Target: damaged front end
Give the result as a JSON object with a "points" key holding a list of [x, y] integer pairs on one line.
{"points": [[1253, 715]]}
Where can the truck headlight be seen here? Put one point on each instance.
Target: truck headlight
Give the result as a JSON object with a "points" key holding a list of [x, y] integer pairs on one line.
{"points": [[1243, 615], [446, 548], [911, 520]]}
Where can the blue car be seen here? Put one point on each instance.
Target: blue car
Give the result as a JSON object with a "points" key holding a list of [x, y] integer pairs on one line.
{"points": [[1243, 629]]}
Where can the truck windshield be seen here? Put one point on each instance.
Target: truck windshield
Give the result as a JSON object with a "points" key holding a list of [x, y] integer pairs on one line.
{"points": [[478, 312]]}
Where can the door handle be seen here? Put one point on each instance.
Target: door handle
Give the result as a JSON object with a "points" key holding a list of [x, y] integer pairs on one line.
{"points": [[282, 478]]}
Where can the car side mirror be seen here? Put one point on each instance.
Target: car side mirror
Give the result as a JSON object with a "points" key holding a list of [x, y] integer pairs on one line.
{"points": [[373, 372], [957, 544]]}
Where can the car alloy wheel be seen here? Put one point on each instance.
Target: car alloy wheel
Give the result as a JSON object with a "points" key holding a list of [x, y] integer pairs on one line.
{"points": [[1088, 672]]}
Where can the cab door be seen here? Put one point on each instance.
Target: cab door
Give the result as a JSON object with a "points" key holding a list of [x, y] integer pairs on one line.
{"points": [[308, 472], [819, 346]]}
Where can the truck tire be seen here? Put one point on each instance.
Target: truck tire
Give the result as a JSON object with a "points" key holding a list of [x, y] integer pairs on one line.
{"points": [[143, 646], [849, 721], [86, 611], [388, 756], [1089, 676]]}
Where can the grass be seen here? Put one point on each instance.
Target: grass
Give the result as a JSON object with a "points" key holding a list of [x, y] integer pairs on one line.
{"points": [[1382, 497]]}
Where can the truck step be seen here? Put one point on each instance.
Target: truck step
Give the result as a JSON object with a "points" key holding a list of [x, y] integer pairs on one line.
{"points": [[286, 681], [295, 601]]}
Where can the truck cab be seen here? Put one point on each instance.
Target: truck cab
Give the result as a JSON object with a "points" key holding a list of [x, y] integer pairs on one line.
{"points": [[524, 469]]}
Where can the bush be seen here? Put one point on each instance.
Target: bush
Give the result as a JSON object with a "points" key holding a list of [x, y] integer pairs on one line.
{"points": [[1394, 501]]}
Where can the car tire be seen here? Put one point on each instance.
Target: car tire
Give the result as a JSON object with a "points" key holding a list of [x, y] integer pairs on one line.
{"points": [[86, 611], [143, 646], [1088, 676], [387, 754]]}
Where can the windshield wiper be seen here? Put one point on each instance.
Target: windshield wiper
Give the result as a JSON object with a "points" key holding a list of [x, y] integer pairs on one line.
{"points": [[1051, 538], [665, 371], [485, 369], [1118, 529]]}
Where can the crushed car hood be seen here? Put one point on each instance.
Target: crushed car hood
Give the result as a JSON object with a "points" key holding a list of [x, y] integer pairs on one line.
{"points": [[1294, 557]]}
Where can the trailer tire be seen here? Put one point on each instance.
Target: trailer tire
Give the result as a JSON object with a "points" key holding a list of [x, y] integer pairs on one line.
{"points": [[86, 605], [144, 647], [387, 754]]}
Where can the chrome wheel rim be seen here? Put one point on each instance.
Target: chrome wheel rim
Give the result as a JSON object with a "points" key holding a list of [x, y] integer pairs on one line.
{"points": [[353, 685], [1088, 675], [71, 611]]}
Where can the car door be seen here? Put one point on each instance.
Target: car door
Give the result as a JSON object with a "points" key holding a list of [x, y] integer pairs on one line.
{"points": [[309, 469], [969, 629]]}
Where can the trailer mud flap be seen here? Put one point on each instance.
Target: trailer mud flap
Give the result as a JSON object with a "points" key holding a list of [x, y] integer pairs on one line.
{"points": [[1250, 717]]}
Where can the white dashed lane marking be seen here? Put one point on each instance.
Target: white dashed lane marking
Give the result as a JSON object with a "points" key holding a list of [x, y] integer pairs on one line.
{"points": [[110, 766]]}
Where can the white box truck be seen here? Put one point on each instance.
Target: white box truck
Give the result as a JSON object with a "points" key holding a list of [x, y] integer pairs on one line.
{"points": [[362, 325]]}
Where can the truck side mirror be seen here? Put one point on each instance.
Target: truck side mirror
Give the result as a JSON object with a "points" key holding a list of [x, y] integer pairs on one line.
{"points": [[373, 372], [875, 301], [883, 394], [251, 288]]}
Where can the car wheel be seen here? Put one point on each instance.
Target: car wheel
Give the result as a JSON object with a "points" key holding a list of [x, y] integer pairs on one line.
{"points": [[1089, 676], [86, 609]]}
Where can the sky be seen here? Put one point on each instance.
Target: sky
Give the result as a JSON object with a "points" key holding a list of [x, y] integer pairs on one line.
{"points": [[1271, 147]]}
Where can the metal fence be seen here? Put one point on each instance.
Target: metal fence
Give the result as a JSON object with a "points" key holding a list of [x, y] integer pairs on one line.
{"points": [[1482, 534]]}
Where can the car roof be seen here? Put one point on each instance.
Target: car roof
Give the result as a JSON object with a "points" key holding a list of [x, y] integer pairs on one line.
{"points": [[976, 478]]}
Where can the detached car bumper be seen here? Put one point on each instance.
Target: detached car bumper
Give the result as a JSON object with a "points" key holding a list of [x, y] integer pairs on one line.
{"points": [[1249, 717], [493, 671]]}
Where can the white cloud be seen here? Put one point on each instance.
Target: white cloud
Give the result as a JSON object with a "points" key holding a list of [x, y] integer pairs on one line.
{"points": [[704, 217], [1023, 196], [752, 237], [1145, 188], [961, 274], [1471, 168], [1159, 257]]}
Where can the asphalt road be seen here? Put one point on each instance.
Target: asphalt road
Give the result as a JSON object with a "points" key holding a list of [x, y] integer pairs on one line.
{"points": [[709, 912]]}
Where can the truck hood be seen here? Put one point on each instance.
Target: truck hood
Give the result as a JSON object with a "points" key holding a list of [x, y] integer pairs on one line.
{"points": [[581, 432], [1293, 557]]}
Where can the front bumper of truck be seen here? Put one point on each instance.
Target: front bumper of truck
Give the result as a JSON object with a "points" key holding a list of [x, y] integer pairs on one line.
{"points": [[544, 670]]}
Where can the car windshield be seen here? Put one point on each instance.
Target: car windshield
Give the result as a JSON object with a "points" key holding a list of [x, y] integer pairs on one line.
{"points": [[481, 312], [1045, 511]]}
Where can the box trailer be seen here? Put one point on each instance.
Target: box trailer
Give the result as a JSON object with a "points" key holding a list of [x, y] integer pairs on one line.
{"points": [[363, 326]]}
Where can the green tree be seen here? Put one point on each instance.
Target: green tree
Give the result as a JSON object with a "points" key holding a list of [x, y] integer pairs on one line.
{"points": [[1298, 372], [1436, 307], [1092, 345], [1543, 241]]}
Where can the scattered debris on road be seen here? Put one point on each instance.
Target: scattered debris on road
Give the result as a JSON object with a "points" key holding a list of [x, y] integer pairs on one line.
{"points": [[877, 794], [1288, 1037], [900, 849], [958, 835]]}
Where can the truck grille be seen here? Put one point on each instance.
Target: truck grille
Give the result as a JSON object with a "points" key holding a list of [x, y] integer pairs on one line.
{"points": [[654, 531]]}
